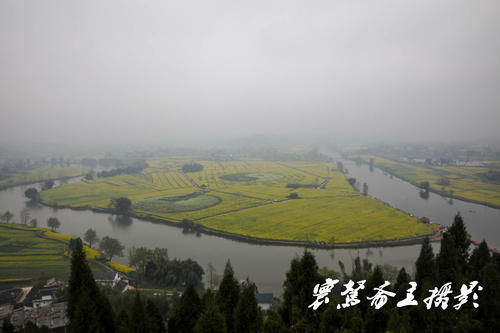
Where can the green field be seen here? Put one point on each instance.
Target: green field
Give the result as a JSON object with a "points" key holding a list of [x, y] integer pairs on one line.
{"points": [[177, 203], [464, 182], [332, 219], [23, 254], [28, 254], [40, 174], [249, 197]]}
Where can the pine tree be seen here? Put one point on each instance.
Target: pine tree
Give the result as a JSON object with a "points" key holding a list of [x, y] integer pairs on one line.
{"points": [[84, 318], [227, 296], [489, 298], [375, 280], [331, 319], [247, 315], [138, 316], [425, 267], [460, 239], [187, 312], [448, 261], [154, 318], [123, 322], [88, 309], [273, 322], [353, 320], [401, 285], [290, 293], [211, 319], [398, 321], [310, 278], [298, 287], [479, 258], [375, 320]]}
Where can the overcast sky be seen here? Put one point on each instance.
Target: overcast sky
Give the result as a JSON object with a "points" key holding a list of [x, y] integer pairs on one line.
{"points": [[159, 70]]}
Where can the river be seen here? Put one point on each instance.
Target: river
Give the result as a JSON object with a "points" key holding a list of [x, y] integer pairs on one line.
{"points": [[266, 265], [482, 222]]}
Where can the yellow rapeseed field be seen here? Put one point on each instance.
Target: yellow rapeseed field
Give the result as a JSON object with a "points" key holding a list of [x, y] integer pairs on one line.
{"points": [[254, 200]]}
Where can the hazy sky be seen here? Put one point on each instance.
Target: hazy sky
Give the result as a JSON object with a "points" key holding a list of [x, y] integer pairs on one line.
{"points": [[158, 70]]}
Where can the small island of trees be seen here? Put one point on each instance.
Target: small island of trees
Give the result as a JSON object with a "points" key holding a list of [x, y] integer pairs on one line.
{"points": [[192, 167]]}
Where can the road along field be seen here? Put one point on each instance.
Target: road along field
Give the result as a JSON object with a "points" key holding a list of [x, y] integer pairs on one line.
{"points": [[456, 182], [40, 174], [249, 197]]}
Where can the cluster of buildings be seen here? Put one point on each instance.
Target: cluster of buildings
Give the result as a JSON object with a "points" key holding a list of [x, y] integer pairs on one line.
{"points": [[40, 304], [37, 304]]}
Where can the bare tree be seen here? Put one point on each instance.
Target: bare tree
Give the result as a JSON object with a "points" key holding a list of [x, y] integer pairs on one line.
{"points": [[25, 216], [213, 279], [91, 237]]}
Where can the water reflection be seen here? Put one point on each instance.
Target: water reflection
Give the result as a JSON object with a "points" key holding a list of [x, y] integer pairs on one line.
{"points": [[121, 221], [424, 194]]}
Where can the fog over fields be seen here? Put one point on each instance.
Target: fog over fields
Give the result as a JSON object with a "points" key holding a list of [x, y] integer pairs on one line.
{"points": [[158, 71]]}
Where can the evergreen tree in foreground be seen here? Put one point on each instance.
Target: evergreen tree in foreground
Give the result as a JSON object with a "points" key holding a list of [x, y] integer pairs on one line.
{"points": [[88, 310], [138, 316], [247, 315], [154, 318], [227, 296], [123, 322], [187, 312], [297, 296], [211, 319], [425, 268], [460, 239]]}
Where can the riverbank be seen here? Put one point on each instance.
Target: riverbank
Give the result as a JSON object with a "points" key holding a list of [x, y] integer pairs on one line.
{"points": [[459, 187]]}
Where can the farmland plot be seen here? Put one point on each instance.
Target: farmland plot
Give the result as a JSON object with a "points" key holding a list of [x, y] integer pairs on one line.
{"points": [[249, 197], [24, 254], [335, 219]]}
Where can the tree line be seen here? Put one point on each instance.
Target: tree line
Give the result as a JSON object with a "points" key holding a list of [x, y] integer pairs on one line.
{"points": [[155, 268], [192, 167], [233, 307], [135, 167]]}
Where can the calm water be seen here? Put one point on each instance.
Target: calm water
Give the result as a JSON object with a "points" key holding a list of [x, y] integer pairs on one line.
{"points": [[266, 265]]}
